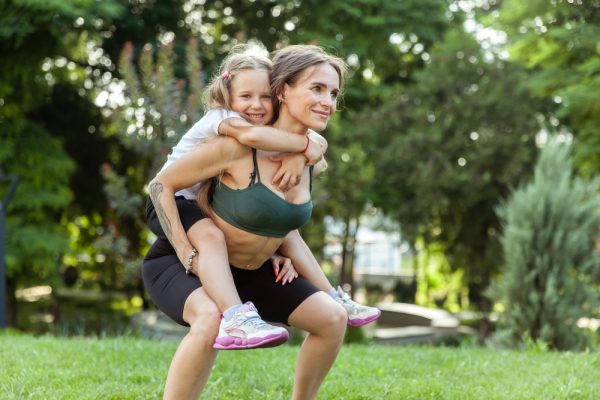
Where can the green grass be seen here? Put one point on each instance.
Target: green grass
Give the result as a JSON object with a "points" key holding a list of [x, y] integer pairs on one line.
{"points": [[130, 368]]}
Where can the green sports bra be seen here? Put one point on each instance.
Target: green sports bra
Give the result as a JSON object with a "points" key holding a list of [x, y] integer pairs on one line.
{"points": [[257, 209]]}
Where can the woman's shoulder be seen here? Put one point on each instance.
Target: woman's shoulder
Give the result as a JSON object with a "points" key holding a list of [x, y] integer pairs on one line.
{"points": [[227, 146]]}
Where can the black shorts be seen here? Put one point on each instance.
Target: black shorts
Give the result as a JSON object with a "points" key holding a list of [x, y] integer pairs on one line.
{"points": [[169, 286], [189, 214]]}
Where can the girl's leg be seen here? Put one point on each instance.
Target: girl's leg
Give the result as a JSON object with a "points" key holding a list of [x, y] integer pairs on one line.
{"points": [[195, 356], [325, 322], [213, 264], [215, 274]]}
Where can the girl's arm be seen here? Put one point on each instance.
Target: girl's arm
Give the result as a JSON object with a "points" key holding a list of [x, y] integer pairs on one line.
{"points": [[320, 140], [272, 139], [207, 160]]}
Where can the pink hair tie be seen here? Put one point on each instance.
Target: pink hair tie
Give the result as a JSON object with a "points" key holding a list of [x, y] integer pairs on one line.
{"points": [[226, 75]]}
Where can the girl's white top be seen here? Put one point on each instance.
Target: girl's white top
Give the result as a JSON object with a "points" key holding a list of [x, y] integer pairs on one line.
{"points": [[206, 127]]}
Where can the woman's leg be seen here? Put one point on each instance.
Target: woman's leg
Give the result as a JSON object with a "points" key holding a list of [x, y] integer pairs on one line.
{"points": [[325, 322], [195, 356]]}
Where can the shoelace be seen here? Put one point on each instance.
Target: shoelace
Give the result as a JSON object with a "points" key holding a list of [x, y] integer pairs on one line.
{"points": [[253, 321], [344, 296], [346, 299]]}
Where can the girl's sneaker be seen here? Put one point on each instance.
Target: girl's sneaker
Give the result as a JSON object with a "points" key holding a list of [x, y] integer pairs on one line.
{"points": [[358, 315], [246, 330]]}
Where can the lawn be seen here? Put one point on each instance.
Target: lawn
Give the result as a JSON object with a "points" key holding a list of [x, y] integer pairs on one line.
{"points": [[132, 368]]}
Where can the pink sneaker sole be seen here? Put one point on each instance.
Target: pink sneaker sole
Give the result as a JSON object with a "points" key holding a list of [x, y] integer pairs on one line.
{"points": [[364, 321], [231, 343]]}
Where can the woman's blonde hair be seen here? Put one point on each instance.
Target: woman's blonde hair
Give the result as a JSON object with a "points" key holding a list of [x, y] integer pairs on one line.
{"points": [[291, 61], [242, 57]]}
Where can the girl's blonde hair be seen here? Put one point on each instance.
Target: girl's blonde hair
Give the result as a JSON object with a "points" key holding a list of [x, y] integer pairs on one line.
{"points": [[242, 57], [204, 197], [291, 61]]}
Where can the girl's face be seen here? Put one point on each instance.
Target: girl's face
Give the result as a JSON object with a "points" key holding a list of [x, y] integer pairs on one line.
{"points": [[250, 95], [312, 100]]}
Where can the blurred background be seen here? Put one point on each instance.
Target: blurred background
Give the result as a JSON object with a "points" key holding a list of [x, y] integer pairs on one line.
{"points": [[462, 189]]}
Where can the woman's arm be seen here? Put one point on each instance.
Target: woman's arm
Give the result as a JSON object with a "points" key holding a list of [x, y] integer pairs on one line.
{"points": [[305, 263], [320, 167], [272, 139], [207, 160]]}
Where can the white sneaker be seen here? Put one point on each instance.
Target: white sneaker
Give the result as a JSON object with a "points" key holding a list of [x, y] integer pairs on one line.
{"points": [[246, 330], [358, 315]]}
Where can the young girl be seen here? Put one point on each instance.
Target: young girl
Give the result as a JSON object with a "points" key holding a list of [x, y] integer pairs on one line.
{"points": [[239, 100]]}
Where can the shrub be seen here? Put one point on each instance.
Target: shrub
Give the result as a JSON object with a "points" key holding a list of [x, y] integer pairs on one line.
{"points": [[550, 259]]}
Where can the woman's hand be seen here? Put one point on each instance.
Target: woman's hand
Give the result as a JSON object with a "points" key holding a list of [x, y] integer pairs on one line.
{"points": [[290, 172], [283, 269], [189, 260]]}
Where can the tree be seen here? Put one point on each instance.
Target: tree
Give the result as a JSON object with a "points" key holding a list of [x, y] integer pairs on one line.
{"points": [[32, 34], [558, 42], [550, 272], [448, 147]]}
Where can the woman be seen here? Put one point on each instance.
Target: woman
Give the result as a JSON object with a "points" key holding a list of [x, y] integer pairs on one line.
{"points": [[255, 219]]}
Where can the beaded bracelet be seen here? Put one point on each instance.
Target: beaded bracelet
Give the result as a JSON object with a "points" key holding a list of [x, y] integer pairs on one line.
{"points": [[188, 267]]}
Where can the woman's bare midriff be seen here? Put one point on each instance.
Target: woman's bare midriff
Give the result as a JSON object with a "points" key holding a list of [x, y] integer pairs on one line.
{"points": [[246, 250]]}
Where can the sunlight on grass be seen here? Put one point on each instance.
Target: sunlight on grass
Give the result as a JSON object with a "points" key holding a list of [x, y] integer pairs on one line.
{"points": [[132, 368]]}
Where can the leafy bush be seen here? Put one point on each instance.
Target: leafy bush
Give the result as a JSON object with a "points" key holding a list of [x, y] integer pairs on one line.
{"points": [[549, 243]]}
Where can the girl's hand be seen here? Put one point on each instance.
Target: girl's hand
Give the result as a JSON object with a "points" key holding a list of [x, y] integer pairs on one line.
{"points": [[290, 172], [314, 151], [283, 269]]}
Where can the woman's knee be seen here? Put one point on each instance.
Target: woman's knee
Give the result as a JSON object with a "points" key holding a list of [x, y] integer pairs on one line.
{"points": [[321, 315], [338, 316], [203, 316], [333, 321]]}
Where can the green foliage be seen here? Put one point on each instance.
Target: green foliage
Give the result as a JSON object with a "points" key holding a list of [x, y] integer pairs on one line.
{"points": [[448, 147], [549, 279], [32, 35], [34, 237], [30, 31], [130, 368], [438, 284], [345, 203], [558, 41], [158, 108]]}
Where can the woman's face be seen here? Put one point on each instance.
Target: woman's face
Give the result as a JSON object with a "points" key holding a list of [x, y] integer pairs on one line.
{"points": [[250, 96], [312, 99]]}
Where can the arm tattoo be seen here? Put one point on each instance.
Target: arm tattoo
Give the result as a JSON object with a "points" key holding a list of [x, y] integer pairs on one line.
{"points": [[156, 190]]}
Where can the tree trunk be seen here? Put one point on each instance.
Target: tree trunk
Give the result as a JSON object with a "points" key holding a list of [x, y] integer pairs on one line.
{"points": [[424, 278], [348, 248], [11, 302], [485, 306]]}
